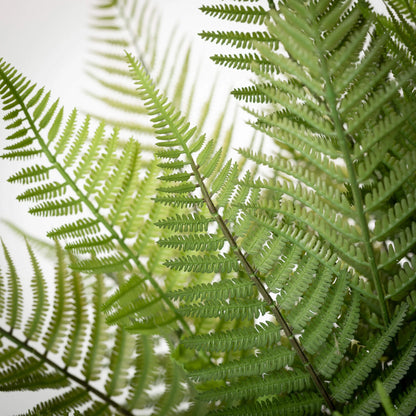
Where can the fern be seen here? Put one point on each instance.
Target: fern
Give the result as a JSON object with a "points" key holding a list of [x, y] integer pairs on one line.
{"points": [[65, 348], [282, 283]]}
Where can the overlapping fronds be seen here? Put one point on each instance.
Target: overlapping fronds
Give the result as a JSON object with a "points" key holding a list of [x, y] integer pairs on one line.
{"points": [[80, 171], [138, 27], [196, 173], [337, 212], [65, 345]]}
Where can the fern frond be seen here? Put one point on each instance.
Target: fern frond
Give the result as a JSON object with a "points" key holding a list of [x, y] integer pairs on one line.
{"points": [[222, 290], [295, 403], [266, 362], [333, 352], [186, 223], [204, 264], [389, 382], [93, 177], [276, 383], [343, 387], [245, 14], [233, 309], [238, 39], [173, 131], [13, 311], [261, 335], [36, 354]]}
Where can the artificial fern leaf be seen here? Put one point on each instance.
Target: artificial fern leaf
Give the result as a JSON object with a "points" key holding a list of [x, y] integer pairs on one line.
{"points": [[137, 27], [358, 91], [204, 264], [294, 403], [290, 277], [389, 382], [13, 310], [276, 383], [242, 338], [343, 387], [31, 359], [262, 363], [173, 131], [108, 181]]}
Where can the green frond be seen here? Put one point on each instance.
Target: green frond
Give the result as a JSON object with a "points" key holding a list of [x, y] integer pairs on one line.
{"points": [[332, 353], [350, 378], [13, 306], [222, 290], [96, 175], [253, 387], [30, 174], [52, 190], [186, 223], [405, 405], [290, 281], [59, 207], [204, 264], [395, 216], [318, 330], [312, 300], [389, 382], [266, 362], [40, 298], [71, 399], [73, 351], [243, 61], [235, 13], [98, 336], [47, 350], [292, 404], [238, 39], [401, 245], [123, 348], [145, 362], [94, 244], [233, 309], [76, 229], [402, 282], [197, 242], [57, 326], [260, 335], [104, 264]]}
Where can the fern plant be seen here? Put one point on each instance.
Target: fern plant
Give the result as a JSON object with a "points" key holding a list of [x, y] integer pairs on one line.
{"points": [[282, 282], [64, 344]]}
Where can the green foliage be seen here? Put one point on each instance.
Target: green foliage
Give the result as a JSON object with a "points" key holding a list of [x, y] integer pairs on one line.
{"points": [[65, 345], [282, 283]]}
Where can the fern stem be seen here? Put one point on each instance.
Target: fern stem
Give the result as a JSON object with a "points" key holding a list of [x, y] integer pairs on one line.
{"points": [[84, 383], [152, 96], [61, 170], [262, 289], [356, 192]]}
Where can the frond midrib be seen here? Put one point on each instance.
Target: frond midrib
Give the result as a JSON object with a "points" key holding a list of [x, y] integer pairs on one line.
{"points": [[358, 200], [43, 357]]}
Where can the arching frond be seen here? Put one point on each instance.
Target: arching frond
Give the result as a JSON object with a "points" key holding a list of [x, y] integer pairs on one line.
{"points": [[67, 350]]}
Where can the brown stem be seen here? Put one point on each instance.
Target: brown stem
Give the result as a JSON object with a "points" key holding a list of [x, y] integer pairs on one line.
{"points": [[84, 383], [262, 289]]}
